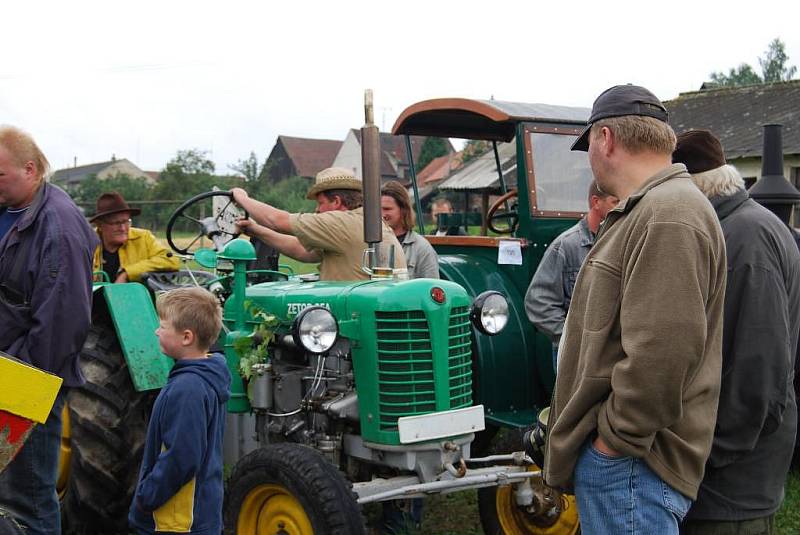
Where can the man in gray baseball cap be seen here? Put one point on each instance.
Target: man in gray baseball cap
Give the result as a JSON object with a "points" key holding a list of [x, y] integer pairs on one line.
{"points": [[638, 381]]}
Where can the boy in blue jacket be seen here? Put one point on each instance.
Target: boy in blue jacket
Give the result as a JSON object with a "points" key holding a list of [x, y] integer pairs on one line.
{"points": [[180, 483]]}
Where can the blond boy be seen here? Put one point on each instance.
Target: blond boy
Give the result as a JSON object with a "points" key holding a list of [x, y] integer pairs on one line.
{"points": [[180, 483]]}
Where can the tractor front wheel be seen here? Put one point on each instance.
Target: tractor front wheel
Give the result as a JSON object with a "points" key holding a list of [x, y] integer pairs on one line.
{"points": [[290, 489], [500, 514], [103, 439]]}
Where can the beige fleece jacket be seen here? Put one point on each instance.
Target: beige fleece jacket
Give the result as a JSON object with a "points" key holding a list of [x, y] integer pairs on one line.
{"points": [[641, 355]]}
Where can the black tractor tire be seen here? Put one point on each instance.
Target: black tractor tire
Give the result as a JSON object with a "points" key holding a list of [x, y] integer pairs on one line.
{"points": [[290, 484], [108, 425], [496, 502], [484, 440]]}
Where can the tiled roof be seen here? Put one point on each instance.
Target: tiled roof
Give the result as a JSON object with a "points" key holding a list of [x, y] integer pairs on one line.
{"points": [[73, 175], [394, 150], [736, 115], [481, 173], [310, 156], [439, 168]]}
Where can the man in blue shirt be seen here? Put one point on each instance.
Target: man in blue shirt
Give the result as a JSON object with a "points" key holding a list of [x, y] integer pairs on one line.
{"points": [[46, 249]]}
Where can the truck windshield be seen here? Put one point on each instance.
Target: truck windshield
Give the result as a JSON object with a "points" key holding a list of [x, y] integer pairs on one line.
{"points": [[561, 176]]}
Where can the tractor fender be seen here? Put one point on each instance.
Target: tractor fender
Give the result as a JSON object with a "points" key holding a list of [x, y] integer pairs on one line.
{"points": [[135, 321], [513, 370]]}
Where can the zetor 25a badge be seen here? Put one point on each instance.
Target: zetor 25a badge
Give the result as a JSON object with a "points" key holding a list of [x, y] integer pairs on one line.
{"points": [[292, 309]]}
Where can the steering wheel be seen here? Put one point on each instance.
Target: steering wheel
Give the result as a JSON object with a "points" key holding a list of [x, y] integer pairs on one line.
{"points": [[219, 228], [510, 214]]}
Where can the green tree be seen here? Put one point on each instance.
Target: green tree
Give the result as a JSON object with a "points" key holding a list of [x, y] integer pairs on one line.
{"points": [[288, 194], [192, 162], [474, 148], [432, 148], [131, 188], [190, 172], [774, 68], [742, 75], [248, 167], [773, 65]]}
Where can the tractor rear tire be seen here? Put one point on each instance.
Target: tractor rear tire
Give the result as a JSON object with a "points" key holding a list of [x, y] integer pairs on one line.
{"points": [[290, 488], [108, 423]]}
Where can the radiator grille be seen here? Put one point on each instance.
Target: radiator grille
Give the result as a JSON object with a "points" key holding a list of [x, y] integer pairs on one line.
{"points": [[460, 359], [406, 381]]}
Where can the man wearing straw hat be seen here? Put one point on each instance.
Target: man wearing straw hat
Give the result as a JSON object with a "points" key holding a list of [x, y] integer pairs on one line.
{"points": [[333, 236]]}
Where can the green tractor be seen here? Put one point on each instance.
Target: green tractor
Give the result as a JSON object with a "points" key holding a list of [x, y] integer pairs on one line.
{"points": [[356, 392], [540, 188]]}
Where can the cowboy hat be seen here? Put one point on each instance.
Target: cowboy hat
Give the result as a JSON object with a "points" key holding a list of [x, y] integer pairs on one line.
{"points": [[111, 203]]}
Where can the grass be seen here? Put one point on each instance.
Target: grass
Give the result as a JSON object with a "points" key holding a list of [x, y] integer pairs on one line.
{"points": [[443, 514], [788, 518]]}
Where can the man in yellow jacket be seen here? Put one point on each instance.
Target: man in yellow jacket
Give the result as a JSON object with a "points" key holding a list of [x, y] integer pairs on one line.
{"points": [[126, 252]]}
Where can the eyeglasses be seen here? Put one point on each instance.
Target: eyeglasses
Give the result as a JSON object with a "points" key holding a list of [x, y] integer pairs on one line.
{"points": [[117, 223]]}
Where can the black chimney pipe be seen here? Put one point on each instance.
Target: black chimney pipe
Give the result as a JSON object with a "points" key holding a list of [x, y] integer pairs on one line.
{"points": [[772, 190], [772, 154]]}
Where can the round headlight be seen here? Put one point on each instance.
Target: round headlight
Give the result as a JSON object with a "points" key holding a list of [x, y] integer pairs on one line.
{"points": [[315, 329], [489, 312]]}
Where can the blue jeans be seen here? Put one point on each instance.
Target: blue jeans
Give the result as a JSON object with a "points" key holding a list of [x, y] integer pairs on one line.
{"points": [[622, 495], [28, 484]]}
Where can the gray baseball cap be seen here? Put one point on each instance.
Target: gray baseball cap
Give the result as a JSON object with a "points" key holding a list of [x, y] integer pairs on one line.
{"points": [[618, 101]]}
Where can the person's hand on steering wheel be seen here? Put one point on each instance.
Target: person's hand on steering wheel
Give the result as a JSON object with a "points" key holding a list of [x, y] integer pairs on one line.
{"points": [[249, 227], [239, 196]]}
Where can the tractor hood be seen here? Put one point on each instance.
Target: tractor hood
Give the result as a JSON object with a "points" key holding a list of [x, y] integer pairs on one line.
{"points": [[352, 302]]}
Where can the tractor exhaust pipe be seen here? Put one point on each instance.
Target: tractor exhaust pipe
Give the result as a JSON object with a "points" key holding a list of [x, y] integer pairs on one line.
{"points": [[381, 261], [772, 190], [370, 165]]}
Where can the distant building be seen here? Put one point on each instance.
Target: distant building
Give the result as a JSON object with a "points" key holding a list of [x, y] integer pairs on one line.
{"points": [[736, 116], [439, 169], [394, 157], [299, 156], [72, 176], [434, 173]]}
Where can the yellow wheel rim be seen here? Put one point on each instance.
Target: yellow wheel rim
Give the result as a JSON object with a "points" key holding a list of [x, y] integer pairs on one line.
{"points": [[65, 455], [272, 510], [516, 521]]}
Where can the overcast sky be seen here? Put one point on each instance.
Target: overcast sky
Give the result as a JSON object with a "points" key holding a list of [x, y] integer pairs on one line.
{"points": [[142, 80]]}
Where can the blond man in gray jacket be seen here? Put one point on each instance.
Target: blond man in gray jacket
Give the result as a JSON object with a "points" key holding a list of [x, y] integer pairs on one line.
{"points": [[633, 412]]}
